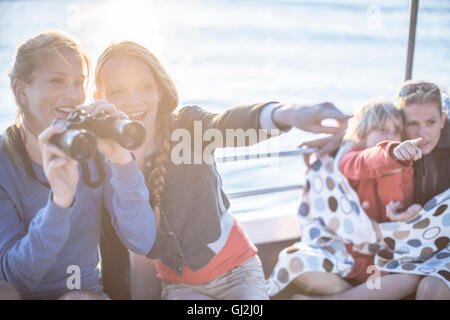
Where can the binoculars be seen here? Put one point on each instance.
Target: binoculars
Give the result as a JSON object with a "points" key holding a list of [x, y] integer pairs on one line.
{"points": [[79, 139]]}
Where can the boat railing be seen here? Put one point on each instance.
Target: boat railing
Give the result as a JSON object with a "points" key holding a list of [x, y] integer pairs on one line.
{"points": [[254, 192]]}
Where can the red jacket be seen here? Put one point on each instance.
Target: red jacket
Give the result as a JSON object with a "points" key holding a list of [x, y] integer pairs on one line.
{"points": [[366, 170]]}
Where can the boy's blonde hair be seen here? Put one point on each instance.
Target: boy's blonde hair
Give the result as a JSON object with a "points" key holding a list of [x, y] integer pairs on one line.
{"points": [[372, 115]]}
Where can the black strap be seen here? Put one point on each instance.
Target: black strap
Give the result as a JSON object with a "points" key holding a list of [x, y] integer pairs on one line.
{"points": [[87, 173], [27, 161], [84, 167]]}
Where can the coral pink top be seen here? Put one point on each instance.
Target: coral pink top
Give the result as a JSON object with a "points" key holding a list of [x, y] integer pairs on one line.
{"points": [[237, 250], [368, 173]]}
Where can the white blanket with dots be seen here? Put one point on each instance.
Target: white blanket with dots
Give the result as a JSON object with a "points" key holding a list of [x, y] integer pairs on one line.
{"points": [[330, 216]]}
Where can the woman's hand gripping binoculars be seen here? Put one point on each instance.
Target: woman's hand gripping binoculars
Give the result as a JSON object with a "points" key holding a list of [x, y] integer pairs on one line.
{"points": [[104, 129]]}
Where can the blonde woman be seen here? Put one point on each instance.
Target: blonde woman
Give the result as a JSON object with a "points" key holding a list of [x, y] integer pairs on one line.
{"points": [[421, 105], [201, 252], [49, 218]]}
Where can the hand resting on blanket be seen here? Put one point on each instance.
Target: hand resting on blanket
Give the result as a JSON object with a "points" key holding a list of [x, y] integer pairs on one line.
{"points": [[393, 214], [410, 213]]}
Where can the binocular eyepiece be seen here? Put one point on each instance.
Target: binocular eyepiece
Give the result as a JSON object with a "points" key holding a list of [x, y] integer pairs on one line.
{"points": [[79, 138]]}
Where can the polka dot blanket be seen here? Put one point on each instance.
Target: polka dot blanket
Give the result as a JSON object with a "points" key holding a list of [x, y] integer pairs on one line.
{"points": [[330, 216]]}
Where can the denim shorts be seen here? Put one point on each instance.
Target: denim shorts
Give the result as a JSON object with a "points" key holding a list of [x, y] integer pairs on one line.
{"points": [[244, 282]]}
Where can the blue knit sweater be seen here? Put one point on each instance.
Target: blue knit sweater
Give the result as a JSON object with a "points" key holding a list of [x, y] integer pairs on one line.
{"points": [[42, 245]]}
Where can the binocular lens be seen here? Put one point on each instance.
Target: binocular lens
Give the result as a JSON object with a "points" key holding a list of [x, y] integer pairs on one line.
{"points": [[132, 135], [78, 144], [83, 146]]}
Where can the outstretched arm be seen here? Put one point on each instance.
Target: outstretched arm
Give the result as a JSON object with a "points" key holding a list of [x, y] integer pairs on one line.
{"points": [[272, 117], [310, 117], [373, 162]]}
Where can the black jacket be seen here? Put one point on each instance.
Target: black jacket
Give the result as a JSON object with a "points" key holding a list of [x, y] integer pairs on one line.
{"points": [[432, 171]]}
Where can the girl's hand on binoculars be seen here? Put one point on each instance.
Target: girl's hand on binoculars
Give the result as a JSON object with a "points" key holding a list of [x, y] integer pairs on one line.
{"points": [[60, 170], [112, 150]]}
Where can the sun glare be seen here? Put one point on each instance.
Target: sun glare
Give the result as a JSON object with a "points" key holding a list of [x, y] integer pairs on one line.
{"points": [[137, 20]]}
